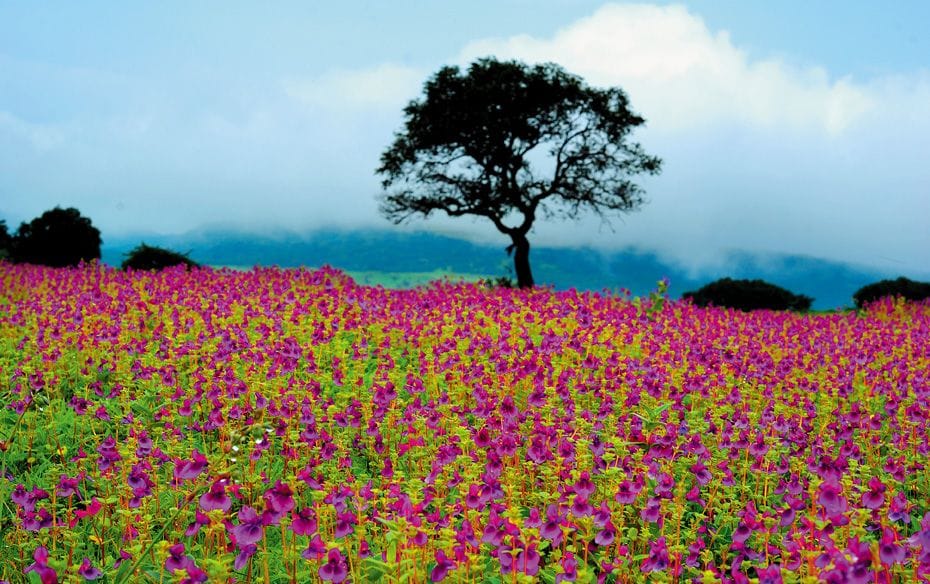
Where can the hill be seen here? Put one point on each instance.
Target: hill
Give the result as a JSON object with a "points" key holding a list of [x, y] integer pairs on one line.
{"points": [[408, 258]]}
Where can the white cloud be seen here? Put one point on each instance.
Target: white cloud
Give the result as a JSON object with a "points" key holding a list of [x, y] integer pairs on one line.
{"points": [[384, 86], [681, 75]]}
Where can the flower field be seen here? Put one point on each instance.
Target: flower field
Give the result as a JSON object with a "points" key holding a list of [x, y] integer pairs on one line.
{"points": [[292, 426]]}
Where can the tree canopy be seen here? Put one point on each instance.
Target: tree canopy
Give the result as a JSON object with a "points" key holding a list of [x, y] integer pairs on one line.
{"points": [[57, 238], [748, 295], [150, 257], [510, 142], [900, 287]]}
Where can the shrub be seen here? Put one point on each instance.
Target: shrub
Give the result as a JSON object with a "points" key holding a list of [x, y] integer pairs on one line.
{"points": [[58, 238], [903, 287], [748, 295], [150, 257], [6, 241]]}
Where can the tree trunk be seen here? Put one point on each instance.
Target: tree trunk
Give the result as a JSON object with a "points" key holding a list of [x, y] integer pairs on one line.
{"points": [[521, 260]]}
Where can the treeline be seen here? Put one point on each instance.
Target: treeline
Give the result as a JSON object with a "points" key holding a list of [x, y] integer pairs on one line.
{"points": [[63, 237]]}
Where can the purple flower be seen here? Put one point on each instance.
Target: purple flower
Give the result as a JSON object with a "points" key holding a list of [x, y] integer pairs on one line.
{"points": [[303, 522], [216, 498], [606, 536], [581, 507], [345, 524], [889, 550], [658, 557], [527, 560], [280, 497], [250, 529], [584, 486], [88, 571], [627, 492], [190, 469], [701, 474], [475, 498], [68, 486], [874, 498], [770, 574], [40, 566], [335, 569], [832, 500], [652, 511], [176, 559], [742, 533], [316, 549], [199, 521], [28, 499], [245, 552], [443, 565], [569, 569], [898, 510]]}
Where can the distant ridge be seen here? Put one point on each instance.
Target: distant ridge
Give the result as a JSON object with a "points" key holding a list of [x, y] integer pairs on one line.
{"points": [[830, 283]]}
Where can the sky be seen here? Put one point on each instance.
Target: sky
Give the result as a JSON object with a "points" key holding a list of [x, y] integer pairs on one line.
{"points": [[793, 127]]}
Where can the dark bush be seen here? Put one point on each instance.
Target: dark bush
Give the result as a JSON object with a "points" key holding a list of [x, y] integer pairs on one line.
{"points": [[748, 295], [149, 257], [903, 287], [58, 238], [6, 241]]}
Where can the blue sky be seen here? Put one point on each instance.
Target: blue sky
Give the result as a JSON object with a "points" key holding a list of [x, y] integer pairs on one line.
{"points": [[789, 127]]}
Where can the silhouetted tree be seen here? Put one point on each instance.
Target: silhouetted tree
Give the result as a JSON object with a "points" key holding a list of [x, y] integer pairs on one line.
{"points": [[59, 237], [150, 257], [6, 241], [508, 141], [903, 287], [748, 295]]}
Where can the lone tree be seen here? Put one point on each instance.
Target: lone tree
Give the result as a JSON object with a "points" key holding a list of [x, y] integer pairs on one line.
{"points": [[508, 141], [58, 238]]}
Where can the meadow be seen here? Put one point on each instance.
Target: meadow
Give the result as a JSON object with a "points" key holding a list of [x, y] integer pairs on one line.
{"points": [[294, 426]]}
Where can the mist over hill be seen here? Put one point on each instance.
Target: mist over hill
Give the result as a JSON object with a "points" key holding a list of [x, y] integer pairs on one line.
{"points": [[830, 283]]}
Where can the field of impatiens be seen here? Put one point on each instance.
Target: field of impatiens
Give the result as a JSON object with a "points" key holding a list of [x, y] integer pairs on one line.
{"points": [[292, 426]]}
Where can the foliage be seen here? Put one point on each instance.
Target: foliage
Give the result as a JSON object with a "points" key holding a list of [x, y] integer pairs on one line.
{"points": [[500, 282], [57, 238], [281, 426], [6, 241], [149, 257], [507, 140], [748, 295], [903, 287]]}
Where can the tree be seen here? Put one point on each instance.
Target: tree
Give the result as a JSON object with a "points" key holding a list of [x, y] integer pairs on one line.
{"points": [[59, 237], [903, 287], [747, 295], [5, 240], [508, 142], [150, 257]]}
